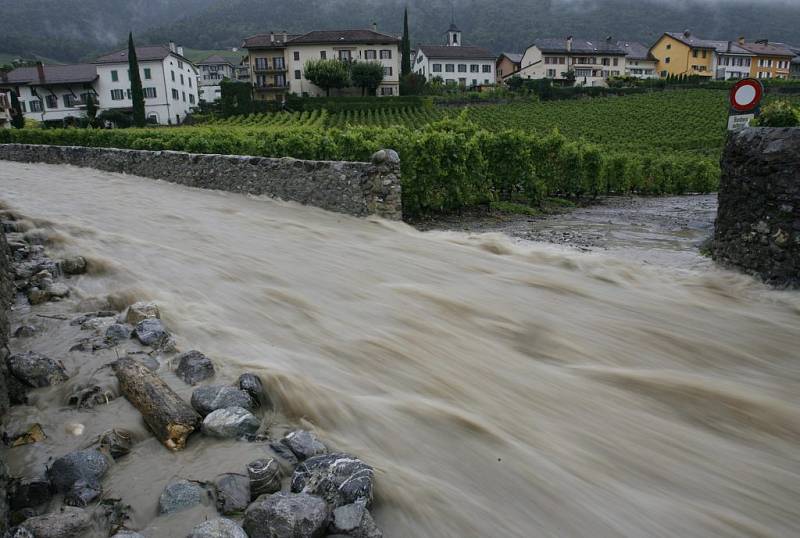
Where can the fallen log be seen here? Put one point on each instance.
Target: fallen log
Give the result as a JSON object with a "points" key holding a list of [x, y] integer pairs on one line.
{"points": [[169, 418]]}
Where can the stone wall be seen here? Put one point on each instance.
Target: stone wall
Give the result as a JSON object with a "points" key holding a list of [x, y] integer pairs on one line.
{"points": [[354, 188], [758, 220], [6, 298]]}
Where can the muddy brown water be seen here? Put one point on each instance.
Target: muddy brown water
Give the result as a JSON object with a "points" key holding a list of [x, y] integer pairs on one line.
{"points": [[499, 388]]}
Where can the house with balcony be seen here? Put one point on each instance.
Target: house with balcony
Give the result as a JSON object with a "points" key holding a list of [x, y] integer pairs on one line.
{"points": [[169, 81], [51, 92], [770, 60], [682, 53], [212, 71], [593, 61], [277, 60], [455, 63], [731, 61], [638, 61]]}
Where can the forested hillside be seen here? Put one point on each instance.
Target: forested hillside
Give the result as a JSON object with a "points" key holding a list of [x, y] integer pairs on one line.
{"points": [[68, 31]]}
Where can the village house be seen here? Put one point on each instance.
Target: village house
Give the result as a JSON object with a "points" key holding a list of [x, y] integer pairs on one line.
{"points": [[455, 63], [277, 60], [771, 60], [169, 81], [731, 61], [638, 61], [591, 61], [507, 64], [681, 53], [51, 92], [213, 70], [5, 109]]}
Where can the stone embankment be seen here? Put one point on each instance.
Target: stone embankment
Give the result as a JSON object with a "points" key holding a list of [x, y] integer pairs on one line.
{"points": [[758, 220], [295, 486], [354, 188]]}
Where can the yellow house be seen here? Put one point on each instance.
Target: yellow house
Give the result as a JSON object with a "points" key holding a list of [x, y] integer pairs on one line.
{"points": [[772, 60], [681, 53]]}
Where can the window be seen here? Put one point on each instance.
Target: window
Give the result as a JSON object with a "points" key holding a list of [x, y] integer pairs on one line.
{"points": [[666, 60], [184, 96], [474, 68], [385, 90], [261, 64], [180, 64], [117, 95], [606, 61], [486, 81], [616, 61], [173, 75], [437, 68], [450, 68], [114, 76], [69, 100], [22, 107], [323, 55], [36, 106], [462, 81], [669, 46], [386, 54], [181, 79], [561, 60], [191, 98], [175, 94], [487, 68], [462, 68], [474, 82], [52, 101], [149, 93], [296, 55], [277, 62], [147, 74], [370, 54], [387, 71], [297, 74], [190, 82], [345, 55], [704, 53], [551, 73]]}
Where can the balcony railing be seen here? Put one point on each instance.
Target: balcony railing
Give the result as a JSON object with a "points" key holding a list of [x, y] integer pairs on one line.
{"points": [[271, 87], [269, 69]]}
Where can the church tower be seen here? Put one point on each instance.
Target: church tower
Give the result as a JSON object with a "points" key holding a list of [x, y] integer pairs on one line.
{"points": [[453, 36]]}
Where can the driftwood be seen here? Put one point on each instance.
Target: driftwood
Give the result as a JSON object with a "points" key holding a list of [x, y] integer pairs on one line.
{"points": [[169, 418]]}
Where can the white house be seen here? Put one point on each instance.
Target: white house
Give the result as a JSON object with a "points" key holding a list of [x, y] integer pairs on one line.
{"points": [[730, 60], [169, 81], [5, 109], [51, 92], [592, 61], [213, 70], [455, 63], [639, 63]]}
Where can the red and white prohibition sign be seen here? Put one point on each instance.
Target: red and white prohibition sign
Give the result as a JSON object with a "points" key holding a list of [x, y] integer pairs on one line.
{"points": [[746, 95]]}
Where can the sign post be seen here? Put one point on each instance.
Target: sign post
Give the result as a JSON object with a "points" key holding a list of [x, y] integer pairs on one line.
{"points": [[745, 96]]}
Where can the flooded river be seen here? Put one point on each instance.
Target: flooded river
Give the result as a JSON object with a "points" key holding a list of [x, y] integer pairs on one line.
{"points": [[500, 388]]}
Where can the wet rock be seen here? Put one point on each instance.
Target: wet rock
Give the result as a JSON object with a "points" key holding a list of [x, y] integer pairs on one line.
{"points": [[33, 434], [36, 370], [338, 478], [194, 367], [141, 311], [128, 534], [25, 331], [57, 290], [231, 422], [178, 495], [89, 465], [218, 528], [304, 444], [354, 520], [117, 443], [251, 384], [212, 397], [70, 522], [29, 492], [87, 397], [265, 476], [17, 391], [82, 493], [284, 452], [83, 318], [233, 493], [73, 266], [37, 296], [296, 515], [118, 332], [151, 363], [150, 332]]}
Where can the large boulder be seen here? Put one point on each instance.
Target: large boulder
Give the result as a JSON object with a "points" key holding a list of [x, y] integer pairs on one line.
{"points": [[36, 370], [178, 495], [151, 332], [70, 522], [212, 397], [231, 422], [82, 493], [233, 493], [194, 367], [218, 528], [354, 520], [118, 332], [304, 444], [265, 476], [140, 311], [89, 465], [339, 478], [286, 515], [73, 266]]}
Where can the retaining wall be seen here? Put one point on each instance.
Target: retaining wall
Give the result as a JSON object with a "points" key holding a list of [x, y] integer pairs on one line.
{"points": [[354, 188], [758, 220], [6, 298]]}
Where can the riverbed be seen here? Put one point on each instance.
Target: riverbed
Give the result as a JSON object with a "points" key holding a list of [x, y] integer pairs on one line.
{"points": [[500, 385]]}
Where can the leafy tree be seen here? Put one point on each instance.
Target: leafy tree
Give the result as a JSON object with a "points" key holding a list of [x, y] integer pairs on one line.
{"points": [[137, 94], [236, 98], [779, 114], [91, 110], [367, 76], [405, 67], [412, 84], [17, 118], [328, 74], [569, 77]]}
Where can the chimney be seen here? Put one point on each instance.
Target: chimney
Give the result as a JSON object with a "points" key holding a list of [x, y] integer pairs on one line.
{"points": [[285, 36], [40, 72], [172, 46], [741, 40], [374, 26], [272, 37], [609, 38], [180, 51], [687, 34], [569, 43]]}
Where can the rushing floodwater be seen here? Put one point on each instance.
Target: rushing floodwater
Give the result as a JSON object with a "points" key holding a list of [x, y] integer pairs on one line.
{"points": [[500, 390]]}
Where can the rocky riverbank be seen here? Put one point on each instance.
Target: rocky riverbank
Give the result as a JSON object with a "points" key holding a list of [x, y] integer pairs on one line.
{"points": [[77, 368]]}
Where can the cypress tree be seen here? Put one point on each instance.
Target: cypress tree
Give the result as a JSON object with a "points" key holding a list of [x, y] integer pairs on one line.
{"points": [[17, 118], [137, 94], [91, 110], [405, 67]]}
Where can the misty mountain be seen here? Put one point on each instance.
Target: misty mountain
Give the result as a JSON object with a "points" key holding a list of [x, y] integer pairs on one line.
{"points": [[68, 31]]}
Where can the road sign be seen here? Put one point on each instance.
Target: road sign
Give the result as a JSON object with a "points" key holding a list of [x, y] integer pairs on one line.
{"points": [[738, 122], [746, 95]]}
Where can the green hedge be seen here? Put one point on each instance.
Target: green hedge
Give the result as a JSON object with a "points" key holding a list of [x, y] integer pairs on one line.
{"points": [[446, 165]]}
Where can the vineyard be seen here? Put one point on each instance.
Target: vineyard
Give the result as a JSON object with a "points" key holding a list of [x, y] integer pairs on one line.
{"points": [[401, 116]]}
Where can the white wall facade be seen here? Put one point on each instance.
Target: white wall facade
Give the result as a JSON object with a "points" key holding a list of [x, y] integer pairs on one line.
{"points": [[37, 106], [638, 68], [590, 69], [5, 109], [728, 66], [209, 79], [455, 71]]}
